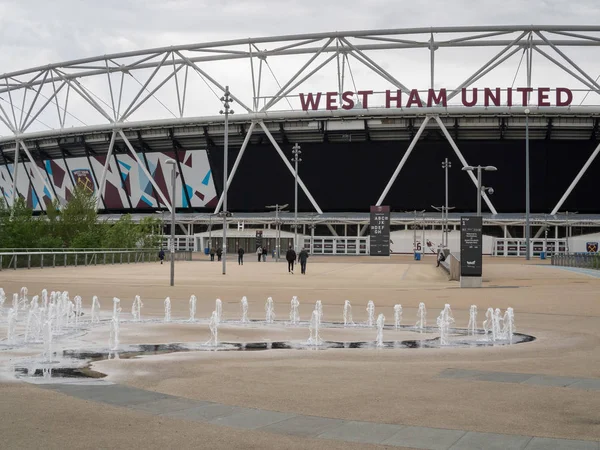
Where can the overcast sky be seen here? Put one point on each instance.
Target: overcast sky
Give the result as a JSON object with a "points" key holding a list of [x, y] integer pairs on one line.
{"points": [[38, 32]]}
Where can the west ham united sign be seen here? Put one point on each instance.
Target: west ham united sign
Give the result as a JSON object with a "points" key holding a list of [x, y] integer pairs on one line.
{"points": [[521, 96]]}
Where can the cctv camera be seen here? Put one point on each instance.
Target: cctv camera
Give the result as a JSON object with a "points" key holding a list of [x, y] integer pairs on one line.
{"points": [[490, 191]]}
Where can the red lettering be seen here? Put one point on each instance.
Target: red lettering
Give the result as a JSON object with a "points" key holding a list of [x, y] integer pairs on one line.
{"points": [[488, 95], [435, 101], [559, 100], [543, 96], [464, 97], [414, 99], [348, 100], [509, 97], [310, 101], [330, 105], [365, 98], [525, 92], [389, 98]]}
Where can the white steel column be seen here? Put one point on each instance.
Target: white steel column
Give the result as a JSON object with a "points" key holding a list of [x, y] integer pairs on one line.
{"points": [[142, 166], [105, 170], [289, 166], [236, 164], [403, 161], [463, 162], [15, 173], [37, 171], [576, 180]]}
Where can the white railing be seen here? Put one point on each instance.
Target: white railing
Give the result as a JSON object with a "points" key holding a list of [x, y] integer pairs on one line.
{"points": [[333, 245], [518, 247]]}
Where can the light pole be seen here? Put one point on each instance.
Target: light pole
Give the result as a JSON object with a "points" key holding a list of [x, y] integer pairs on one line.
{"points": [[296, 158], [172, 163], [445, 165], [444, 221], [481, 188], [277, 208], [227, 100], [527, 204]]}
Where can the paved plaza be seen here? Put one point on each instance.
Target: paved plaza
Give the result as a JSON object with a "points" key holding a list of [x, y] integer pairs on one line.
{"points": [[543, 394]]}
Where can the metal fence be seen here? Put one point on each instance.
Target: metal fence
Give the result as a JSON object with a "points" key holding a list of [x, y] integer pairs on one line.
{"points": [[29, 258], [585, 260]]}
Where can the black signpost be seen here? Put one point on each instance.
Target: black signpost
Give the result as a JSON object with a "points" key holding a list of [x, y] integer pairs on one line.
{"points": [[471, 251], [380, 231]]}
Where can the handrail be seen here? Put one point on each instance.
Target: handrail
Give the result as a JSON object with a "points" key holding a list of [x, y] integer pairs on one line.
{"points": [[581, 260]]}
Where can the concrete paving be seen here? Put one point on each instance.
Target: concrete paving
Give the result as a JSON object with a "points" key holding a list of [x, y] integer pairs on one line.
{"points": [[542, 393]]}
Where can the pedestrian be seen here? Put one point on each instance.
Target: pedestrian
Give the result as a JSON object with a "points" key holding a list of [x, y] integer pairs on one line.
{"points": [[441, 257], [161, 255], [259, 252], [212, 253], [219, 253], [241, 256], [291, 258], [265, 253], [302, 257]]}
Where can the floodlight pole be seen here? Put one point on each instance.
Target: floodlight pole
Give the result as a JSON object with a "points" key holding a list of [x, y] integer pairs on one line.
{"points": [[172, 163], [226, 99], [445, 165], [527, 200], [296, 158]]}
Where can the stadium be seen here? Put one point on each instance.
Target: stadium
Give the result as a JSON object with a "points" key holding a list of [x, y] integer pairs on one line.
{"points": [[371, 132]]}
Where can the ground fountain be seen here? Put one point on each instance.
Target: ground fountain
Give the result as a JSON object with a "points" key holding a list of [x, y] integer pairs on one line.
{"points": [[47, 338], [15, 305], [244, 303], [509, 324], [397, 315], [444, 320], [472, 327], [44, 298], [193, 301], [488, 326], [370, 313], [270, 311], [380, 326], [214, 329], [315, 323], [497, 323], [167, 310], [348, 313], [294, 315], [11, 326], [136, 308], [32, 328], [219, 309], [77, 310], [421, 316], [2, 298], [23, 299], [319, 308], [113, 342], [95, 315]]}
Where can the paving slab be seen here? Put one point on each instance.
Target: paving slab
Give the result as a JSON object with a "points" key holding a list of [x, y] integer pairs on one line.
{"points": [[503, 377], [459, 373], [560, 444], [546, 380], [166, 405], [426, 438], [363, 432], [206, 412], [491, 441], [588, 385], [252, 419], [306, 426], [115, 394]]}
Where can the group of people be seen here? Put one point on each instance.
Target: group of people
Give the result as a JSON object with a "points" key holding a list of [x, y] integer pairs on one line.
{"points": [[261, 253]]}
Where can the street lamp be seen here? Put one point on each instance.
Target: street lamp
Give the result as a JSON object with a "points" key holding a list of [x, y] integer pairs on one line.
{"points": [[278, 209], [172, 163], [527, 205], [296, 158], [226, 99], [481, 188]]}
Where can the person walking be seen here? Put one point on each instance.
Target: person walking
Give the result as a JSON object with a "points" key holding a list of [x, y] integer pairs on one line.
{"points": [[291, 258], [259, 252], [241, 256], [161, 255], [212, 253], [219, 253], [265, 253], [302, 257]]}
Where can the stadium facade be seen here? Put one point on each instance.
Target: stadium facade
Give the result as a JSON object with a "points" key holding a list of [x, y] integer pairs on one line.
{"points": [[368, 136]]}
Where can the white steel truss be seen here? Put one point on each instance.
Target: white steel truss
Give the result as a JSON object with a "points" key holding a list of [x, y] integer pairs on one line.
{"points": [[153, 87]]}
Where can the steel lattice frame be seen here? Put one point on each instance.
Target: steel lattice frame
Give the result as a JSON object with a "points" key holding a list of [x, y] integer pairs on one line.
{"points": [[52, 96]]}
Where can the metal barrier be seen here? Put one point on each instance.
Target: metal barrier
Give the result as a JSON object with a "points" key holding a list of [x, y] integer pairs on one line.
{"points": [[583, 260], [65, 258]]}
